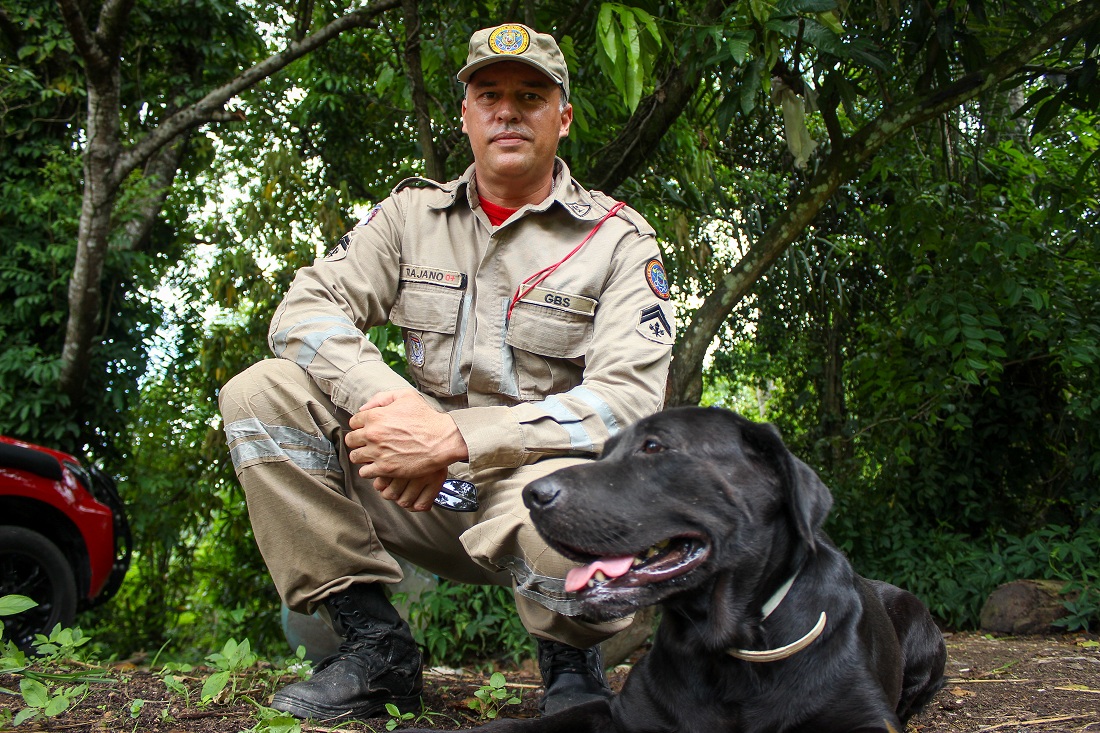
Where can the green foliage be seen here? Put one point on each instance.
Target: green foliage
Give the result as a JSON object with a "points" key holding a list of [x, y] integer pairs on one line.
{"points": [[491, 698], [458, 624], [629, 42], [229, 662]]}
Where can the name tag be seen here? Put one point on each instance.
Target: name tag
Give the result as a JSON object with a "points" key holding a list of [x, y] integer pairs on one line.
{"points": [[446, 278], [561, 301]]}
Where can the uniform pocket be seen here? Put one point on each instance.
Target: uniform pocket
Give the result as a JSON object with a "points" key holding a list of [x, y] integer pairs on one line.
{"points": [[548, 346], [428, 316]]}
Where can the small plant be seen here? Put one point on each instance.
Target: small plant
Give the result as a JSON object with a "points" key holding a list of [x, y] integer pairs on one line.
{"points": [[61, 644], [274, 721], [396, 716], [490, 699], [42, 702], [232, 659]]}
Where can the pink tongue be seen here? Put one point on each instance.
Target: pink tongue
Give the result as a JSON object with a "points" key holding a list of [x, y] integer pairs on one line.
{"points": [[612, 567]]}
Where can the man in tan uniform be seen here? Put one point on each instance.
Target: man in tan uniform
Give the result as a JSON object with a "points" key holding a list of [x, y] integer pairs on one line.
{"points": [[536, 323]]}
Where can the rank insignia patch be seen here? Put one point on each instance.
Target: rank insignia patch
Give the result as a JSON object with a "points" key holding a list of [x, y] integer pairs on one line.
{"points": [[654, 325], [657, 279], [414, 350], [339, 249], [509, 39]]}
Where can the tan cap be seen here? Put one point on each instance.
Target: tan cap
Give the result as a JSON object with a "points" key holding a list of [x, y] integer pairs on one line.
{"points": [[516, 42]]}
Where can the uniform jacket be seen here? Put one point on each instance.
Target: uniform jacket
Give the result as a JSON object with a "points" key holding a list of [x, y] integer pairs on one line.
{"points": [[581, 356]]}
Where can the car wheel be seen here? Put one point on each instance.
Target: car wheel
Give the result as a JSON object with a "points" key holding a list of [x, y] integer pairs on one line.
{"points": [[33, 566]]}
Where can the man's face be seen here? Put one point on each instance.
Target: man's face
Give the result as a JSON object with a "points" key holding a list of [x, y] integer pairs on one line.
{"points": [[513, 116]]}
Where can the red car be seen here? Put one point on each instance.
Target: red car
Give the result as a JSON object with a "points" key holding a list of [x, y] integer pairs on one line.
{"points": [[64, 538]]}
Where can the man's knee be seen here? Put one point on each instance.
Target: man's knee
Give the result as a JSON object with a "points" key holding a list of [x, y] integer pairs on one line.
{"points": [[257, 379]]}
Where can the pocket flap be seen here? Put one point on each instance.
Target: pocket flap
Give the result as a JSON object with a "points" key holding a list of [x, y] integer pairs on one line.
{"points": [[551, 332], [423, 307]]}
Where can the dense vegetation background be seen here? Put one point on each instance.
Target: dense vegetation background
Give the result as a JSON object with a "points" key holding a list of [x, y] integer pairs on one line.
{"points": [[911, 297]]}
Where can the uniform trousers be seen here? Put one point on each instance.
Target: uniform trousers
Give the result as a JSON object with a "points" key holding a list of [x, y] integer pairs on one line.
{"points": [[322, 528]]}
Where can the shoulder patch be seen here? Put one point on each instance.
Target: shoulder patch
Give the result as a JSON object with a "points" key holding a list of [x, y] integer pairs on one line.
{"points": [[370, 215], [340, 249], [657, 279]]}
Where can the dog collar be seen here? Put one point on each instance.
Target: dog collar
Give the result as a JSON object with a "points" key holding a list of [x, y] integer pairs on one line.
{"points": [[774, 655]]}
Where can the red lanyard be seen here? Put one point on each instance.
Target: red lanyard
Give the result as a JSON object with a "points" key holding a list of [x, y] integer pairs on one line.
{"points": [[533, 281]]}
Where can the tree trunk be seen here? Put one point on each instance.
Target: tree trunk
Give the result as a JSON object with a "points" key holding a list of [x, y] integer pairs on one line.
{"points": [[107, 163], [433, 164]]}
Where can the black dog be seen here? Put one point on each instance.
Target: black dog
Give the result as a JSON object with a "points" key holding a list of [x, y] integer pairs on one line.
{"points": [[766, 626]]}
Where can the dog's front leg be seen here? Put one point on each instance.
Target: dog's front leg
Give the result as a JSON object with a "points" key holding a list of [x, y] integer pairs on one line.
{"points": [[593, 717]]}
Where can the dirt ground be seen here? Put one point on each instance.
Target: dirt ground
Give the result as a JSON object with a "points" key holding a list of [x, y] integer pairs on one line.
{"points": [[1042, 684]]}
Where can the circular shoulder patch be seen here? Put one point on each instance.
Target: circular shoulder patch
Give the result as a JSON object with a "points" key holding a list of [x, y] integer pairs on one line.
{"points": [[655, 276], [509, 39]]}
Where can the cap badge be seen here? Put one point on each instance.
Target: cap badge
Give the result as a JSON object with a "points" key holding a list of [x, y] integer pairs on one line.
{"points": [[509, 39]]}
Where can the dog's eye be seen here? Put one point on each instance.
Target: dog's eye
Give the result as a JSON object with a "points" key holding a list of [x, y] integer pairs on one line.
{"points": [[652, 446]]}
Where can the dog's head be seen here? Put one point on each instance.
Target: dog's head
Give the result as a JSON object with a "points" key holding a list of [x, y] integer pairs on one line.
{"points": [[675, 500]]}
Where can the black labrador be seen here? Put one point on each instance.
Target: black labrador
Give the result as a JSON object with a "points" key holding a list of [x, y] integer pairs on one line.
{"points": [[766, 627]]}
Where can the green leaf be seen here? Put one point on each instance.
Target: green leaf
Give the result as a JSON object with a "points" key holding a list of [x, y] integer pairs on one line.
{"points": [[214, 685], [34, 693], [739, 45], [13, 604], [56, 706]]}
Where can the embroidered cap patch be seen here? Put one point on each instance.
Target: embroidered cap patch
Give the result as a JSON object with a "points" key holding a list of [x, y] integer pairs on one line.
{"points": [[509, 39], [655, 276]]}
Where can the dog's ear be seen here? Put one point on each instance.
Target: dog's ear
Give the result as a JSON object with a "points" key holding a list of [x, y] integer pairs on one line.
{"points": [[809, 499]]}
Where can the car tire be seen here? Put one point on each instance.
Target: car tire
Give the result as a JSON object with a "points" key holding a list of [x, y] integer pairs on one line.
{"points": [[33, 566]]}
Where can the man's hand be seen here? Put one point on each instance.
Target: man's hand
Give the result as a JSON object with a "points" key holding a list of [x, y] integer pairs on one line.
{"points": [[405, 445]]}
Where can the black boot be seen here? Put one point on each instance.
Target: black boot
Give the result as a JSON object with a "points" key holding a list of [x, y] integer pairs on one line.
{"points": [[378, 662], [570, 676]]}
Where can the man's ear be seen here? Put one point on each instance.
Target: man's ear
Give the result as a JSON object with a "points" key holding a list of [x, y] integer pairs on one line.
{"points": [[464, 114], [566, 121]]}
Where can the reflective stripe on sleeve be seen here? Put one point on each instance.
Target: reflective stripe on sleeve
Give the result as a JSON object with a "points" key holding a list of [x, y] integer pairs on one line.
{"points": [[602, 408], [312, 341], [579, 439]]}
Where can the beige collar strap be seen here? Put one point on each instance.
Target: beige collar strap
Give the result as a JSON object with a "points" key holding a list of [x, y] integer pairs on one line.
{"points": [[783, 652]]}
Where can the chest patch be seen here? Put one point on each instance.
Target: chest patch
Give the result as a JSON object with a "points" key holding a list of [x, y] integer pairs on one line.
{"points": [[561, 301], [414, 350], [433, 275]]}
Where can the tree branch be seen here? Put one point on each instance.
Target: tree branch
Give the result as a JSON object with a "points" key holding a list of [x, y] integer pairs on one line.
{"points": [[85, 42], [159, 175], [201, 111], [685, 383], [624, 155], [113, 17]]}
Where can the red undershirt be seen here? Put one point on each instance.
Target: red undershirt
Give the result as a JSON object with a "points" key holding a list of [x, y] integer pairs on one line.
{"points": [[497, 214]]}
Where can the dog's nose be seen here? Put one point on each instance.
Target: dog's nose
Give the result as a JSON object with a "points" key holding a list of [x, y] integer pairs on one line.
{"points": [[541, 494]]}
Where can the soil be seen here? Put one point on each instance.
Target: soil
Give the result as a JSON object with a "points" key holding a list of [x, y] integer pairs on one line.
{"points": [[1035, 684]]}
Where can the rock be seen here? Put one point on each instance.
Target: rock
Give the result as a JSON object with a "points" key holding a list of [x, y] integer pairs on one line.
{"points": [[1025, 607]]}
